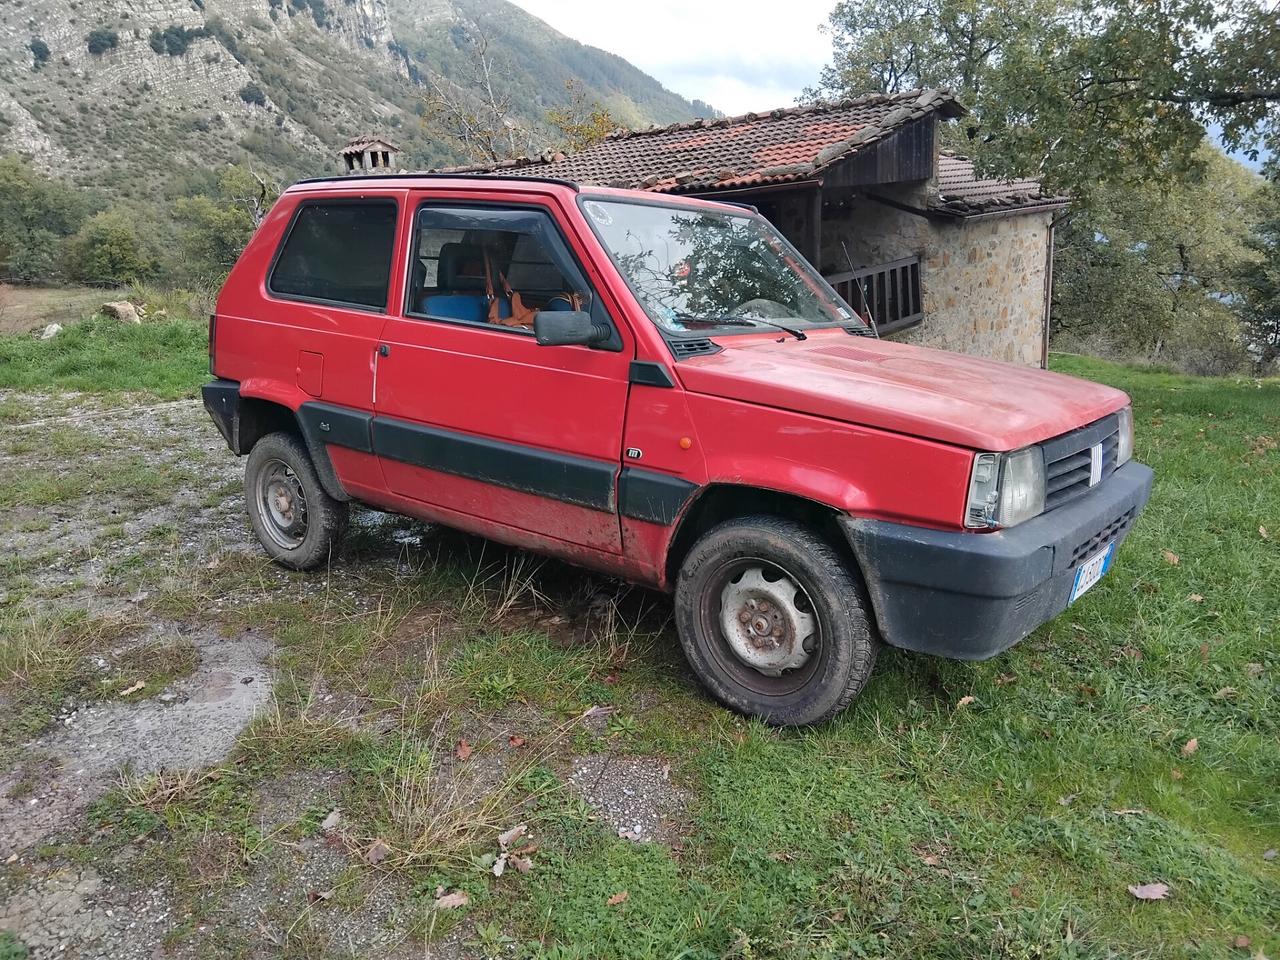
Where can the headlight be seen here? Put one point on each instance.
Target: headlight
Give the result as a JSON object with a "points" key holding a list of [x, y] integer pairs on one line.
{"points": [[1124, 442], [1005, 488]]}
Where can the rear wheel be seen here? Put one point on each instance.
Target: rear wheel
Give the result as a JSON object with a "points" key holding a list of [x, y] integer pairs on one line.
{"points": [[298, 524], [773, 622]]}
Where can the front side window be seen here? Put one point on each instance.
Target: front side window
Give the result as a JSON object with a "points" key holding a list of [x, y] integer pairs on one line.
{"points": [[697, 271], [491, 265], [338, 253]]}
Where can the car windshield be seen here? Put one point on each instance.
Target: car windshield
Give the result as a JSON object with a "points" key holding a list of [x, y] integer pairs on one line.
{"points": [[697, 271]]}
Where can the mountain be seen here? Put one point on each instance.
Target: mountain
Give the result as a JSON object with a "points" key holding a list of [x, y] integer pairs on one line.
{"points": [[134, 96]]}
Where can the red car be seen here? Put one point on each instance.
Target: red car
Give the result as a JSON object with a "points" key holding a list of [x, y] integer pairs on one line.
{"points": [[661, 389]]}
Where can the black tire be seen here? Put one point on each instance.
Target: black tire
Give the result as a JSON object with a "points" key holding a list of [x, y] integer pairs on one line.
{"points": [[297, 523], [828, 606]]}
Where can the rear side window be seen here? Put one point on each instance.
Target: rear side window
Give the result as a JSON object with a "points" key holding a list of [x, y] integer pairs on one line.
{"points": [[338, 253]]}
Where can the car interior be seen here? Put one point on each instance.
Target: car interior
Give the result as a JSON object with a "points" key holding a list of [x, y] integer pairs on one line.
{"points": [[458, 273]]}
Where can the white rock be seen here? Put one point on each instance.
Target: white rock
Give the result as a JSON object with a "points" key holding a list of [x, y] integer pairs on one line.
{"points": [[51, 331]]}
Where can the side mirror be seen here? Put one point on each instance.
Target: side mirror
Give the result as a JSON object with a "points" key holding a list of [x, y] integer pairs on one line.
{"points": [[559, 328]]}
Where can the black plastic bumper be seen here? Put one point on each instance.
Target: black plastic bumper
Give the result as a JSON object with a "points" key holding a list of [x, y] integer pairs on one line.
{"points": [[972, 595]]}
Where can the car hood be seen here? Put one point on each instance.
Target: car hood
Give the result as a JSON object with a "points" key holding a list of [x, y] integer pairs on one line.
{"points": [[944, 396]]}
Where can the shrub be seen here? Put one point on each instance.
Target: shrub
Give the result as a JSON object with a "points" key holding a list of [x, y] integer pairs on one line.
{"points": [[101, 40], [40, 51], [107, 249], [175, 39], [252, 94]]}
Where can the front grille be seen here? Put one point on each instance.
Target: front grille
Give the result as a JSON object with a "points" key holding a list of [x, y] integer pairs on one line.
{"points": [[1068, 460], [1112, 531]]}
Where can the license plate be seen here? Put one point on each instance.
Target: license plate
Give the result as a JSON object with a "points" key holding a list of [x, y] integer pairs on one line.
{"points": [[1091, 571]]}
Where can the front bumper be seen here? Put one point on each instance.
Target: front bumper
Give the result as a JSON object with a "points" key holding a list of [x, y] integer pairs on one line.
{"points": [[972, 595]]}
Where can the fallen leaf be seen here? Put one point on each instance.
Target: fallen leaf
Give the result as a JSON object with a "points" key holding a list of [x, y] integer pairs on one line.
{"points": [[1170, 557], [1269, 855], [527, 850], [330, 823], [964, 701], [378, 852], [515, 833], [133, 689], [1241, 943], [1176, 773], [499, 865], [1150, 891], [1225, 693], [523, 864], [1015, 892], [515, 742], [930, 860], [1005, 679], [1253, 670], [1195, 598], [597, 711], [1066, 801], [319, 896], [451, 901], [1262, 532], [1190, 747], [463, 750], [611, 678], [1128, 812], [619, 897]]}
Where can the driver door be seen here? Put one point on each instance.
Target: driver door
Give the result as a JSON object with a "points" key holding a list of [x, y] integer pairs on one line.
{"points": [[472, 415]]}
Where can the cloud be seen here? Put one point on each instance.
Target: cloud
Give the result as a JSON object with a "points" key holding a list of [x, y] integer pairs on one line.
{"points": [[737, 56]]}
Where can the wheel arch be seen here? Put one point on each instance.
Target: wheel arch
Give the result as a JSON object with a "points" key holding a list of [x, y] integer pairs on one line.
{"points": [[244, 420], [718, 502]]}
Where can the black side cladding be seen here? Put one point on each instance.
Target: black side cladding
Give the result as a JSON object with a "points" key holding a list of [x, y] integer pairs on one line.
{"points": [[653, 497], [587, 483]]}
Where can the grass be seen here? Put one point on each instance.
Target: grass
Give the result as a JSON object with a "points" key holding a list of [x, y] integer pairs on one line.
{"points": [[166, 359], [919, 823]]}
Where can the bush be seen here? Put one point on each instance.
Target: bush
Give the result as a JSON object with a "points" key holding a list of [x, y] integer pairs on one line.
{"points": [[107, 249], [174, 40], [101, 40], [40, 51], [252, 94]]}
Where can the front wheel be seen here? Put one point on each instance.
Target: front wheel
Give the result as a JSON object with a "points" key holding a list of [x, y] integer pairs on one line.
{"points": [[773, 622], [298, 524]]}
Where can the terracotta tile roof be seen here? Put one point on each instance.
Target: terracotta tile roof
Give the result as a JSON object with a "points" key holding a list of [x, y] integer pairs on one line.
{"points": [[754, 149], [961, 192]]}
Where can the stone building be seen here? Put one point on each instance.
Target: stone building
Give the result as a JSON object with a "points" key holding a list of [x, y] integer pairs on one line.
{"points": [[937, 255], [368, 155]]}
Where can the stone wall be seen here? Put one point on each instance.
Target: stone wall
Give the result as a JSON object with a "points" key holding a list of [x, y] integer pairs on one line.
{"points": [[983, 280]]}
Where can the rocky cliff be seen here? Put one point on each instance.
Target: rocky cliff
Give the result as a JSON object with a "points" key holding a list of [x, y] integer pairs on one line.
{"points": [[132, 96]]}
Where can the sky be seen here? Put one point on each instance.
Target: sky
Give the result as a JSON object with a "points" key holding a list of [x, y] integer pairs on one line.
{"points": [[737, 55]]}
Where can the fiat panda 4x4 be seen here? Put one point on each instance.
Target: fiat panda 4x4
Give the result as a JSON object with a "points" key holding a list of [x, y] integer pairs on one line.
{"points": [[661, 389]]}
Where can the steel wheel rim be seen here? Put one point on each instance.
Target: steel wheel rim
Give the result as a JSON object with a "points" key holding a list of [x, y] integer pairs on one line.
{"points": [[282, 504], [751, 651]]}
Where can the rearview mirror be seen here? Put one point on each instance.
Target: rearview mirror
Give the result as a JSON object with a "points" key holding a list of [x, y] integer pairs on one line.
{"points": [[559, 328]]}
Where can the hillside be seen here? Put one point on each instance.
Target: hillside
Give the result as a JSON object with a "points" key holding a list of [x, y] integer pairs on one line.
{"points": [[131, 96]]}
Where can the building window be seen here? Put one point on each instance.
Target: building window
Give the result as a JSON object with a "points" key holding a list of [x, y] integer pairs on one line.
{"points": [[889, 291]]}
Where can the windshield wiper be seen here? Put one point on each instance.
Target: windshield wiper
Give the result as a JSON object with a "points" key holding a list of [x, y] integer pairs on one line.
{"points": [[686, 319]]}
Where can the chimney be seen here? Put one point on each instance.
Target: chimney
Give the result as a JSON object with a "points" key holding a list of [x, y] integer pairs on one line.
{"points": [[365, 155]]}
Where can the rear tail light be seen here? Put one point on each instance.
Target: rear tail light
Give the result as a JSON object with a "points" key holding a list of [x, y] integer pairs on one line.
{"points": [[213, 327]]}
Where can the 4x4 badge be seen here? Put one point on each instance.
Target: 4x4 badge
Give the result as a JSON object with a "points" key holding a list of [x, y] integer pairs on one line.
{"points": [[634, 453]]}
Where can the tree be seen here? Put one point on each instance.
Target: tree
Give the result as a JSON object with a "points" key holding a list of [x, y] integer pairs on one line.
{"points": [[1260, 280], [252, 94], [579, 122], [474, 112], [107, 249], [1079, 92], [35, 214], [215, 229], [1152, 270]]}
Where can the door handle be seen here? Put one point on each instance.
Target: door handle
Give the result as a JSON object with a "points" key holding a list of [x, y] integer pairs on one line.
{"points": [[384, 350]]}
